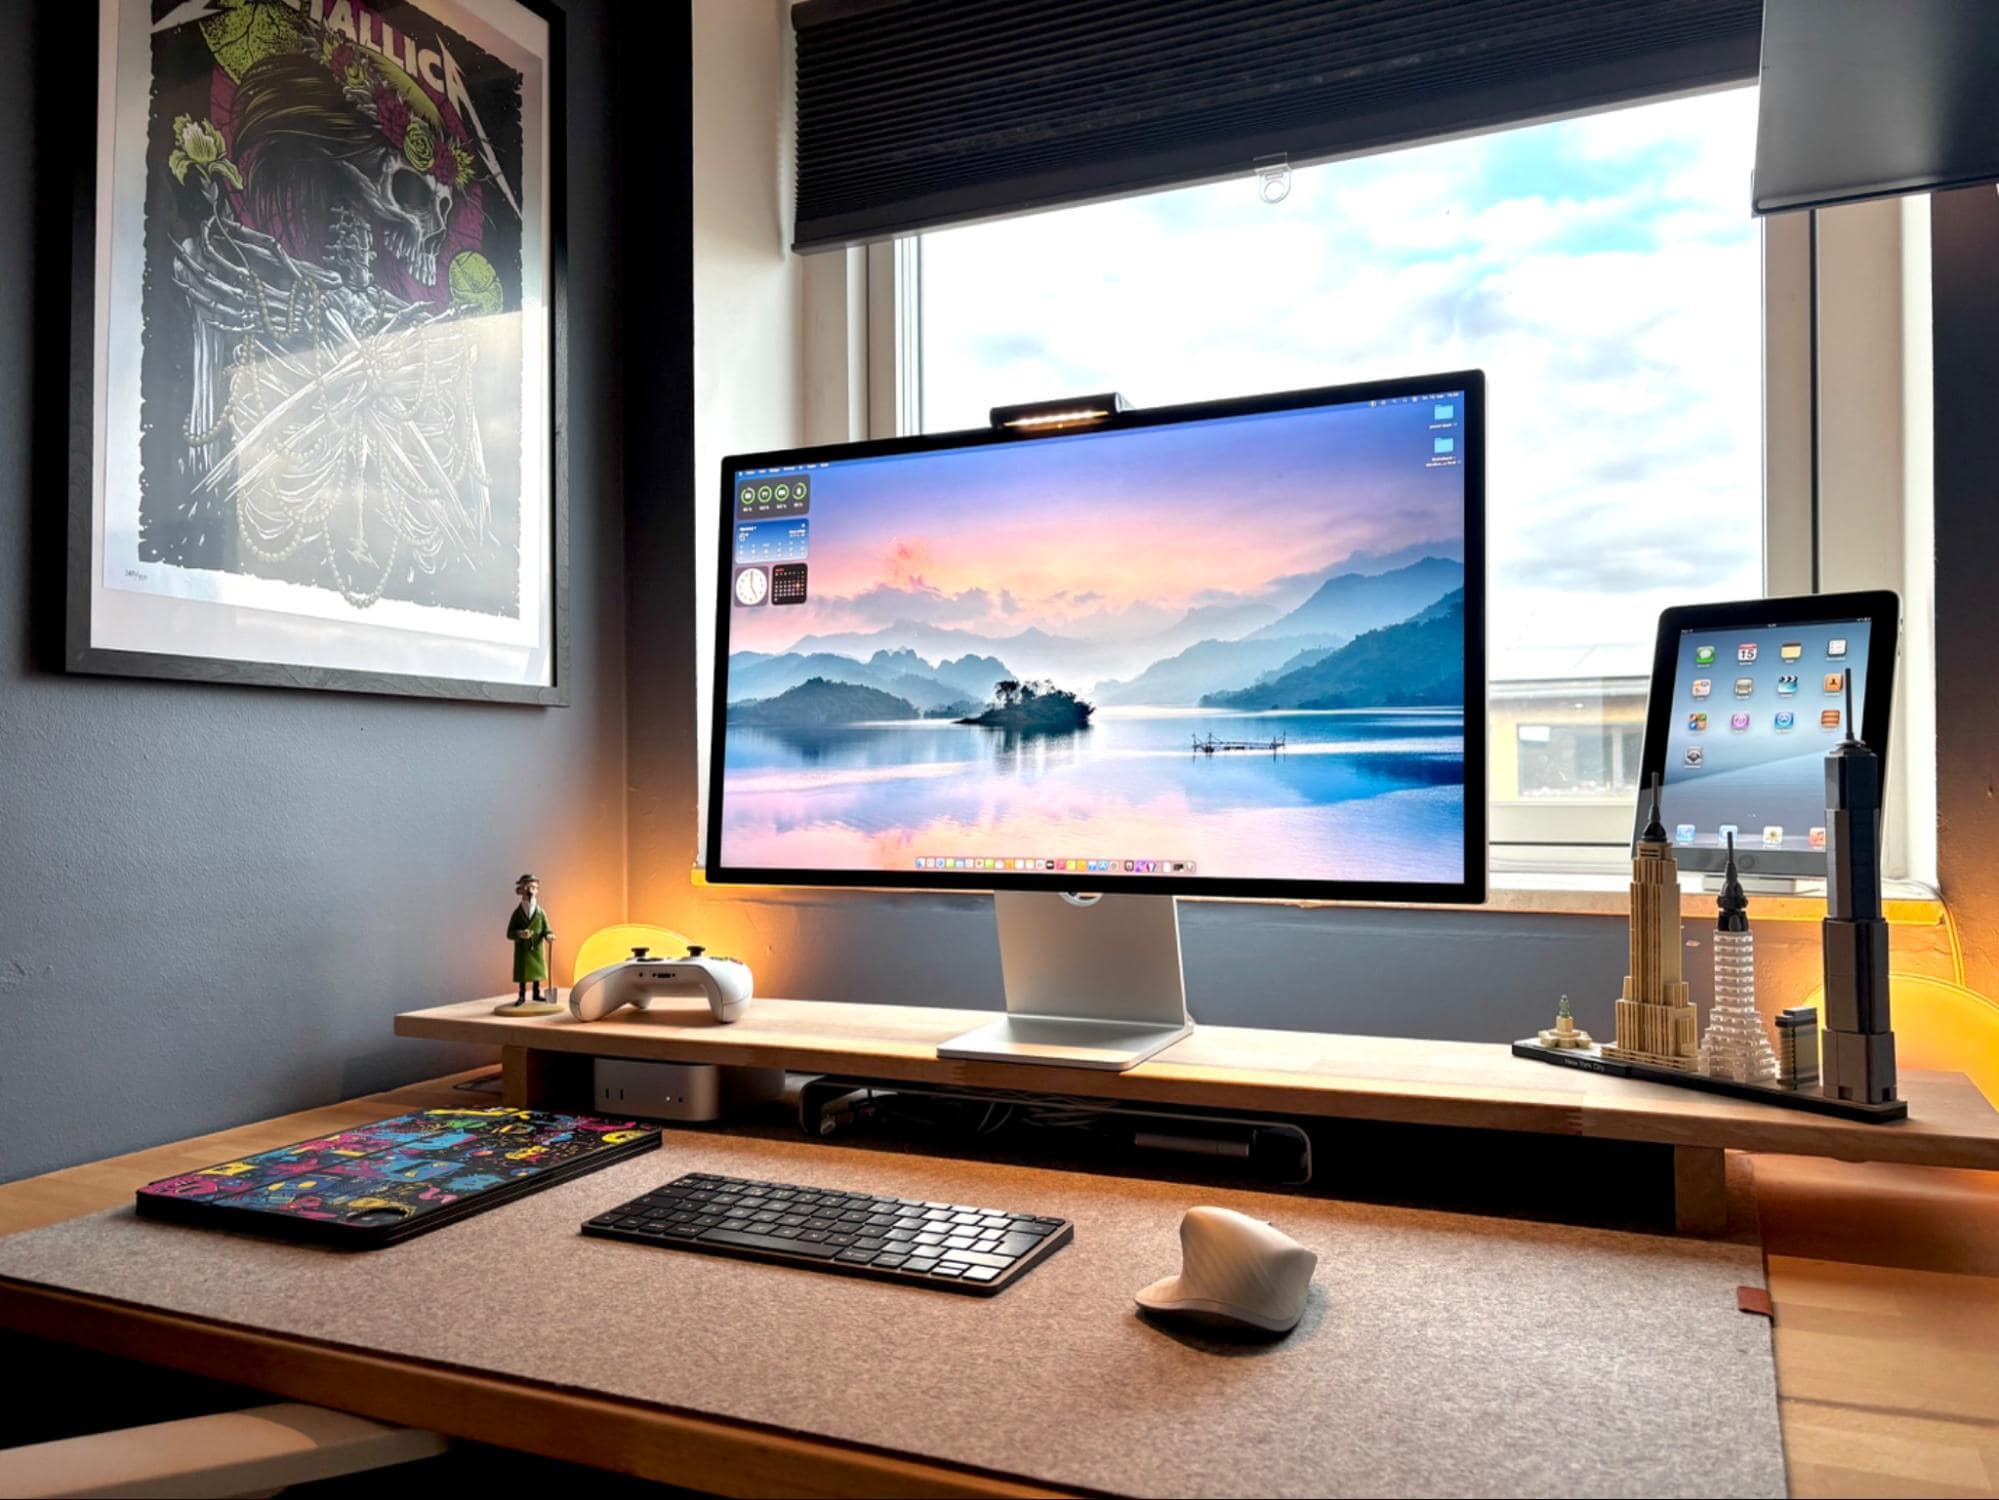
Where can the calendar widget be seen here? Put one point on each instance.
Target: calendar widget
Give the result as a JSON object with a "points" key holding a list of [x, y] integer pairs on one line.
{"points": [[787, 583]]}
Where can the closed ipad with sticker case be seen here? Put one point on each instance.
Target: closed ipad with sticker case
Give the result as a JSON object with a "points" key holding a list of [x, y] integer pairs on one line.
{"points": [[377, 1184]]}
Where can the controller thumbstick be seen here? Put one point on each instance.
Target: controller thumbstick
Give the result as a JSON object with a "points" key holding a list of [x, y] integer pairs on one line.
{"points": [[640, 953], [695, 950]]}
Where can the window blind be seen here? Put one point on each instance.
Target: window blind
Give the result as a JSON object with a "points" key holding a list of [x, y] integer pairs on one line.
{"points": [[913, 114]]}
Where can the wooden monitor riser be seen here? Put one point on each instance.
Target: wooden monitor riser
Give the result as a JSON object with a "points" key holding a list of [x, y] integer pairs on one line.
{"points": [[1474, 1085]]}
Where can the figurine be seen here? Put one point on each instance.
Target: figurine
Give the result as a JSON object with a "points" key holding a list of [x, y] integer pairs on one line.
{"points": [[1656, 1021], [1735, 1046], [1565, 1032], [1858, 1060], [529, 931]]}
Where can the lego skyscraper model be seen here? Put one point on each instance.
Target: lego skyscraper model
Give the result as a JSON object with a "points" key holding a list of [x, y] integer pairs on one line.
{"points": [[1656, 1025], [1735, 1045], [1858, 1060], [1656, 1021]]}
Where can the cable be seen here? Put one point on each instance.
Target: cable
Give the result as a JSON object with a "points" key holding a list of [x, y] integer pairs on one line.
{"points": [[1956, 948]]}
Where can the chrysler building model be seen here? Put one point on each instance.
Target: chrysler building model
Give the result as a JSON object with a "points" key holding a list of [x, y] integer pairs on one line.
{"points": [[1735, 1046]]}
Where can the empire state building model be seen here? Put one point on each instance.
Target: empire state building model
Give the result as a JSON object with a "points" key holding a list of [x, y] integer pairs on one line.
{"points": [[1656, 1021]]}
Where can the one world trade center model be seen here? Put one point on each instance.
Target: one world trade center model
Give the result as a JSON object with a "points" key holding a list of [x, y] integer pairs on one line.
{"points": [[1858, 1059]]}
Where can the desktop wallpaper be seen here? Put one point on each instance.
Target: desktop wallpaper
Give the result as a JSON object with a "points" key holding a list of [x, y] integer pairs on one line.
{"points": [[1230, 648]]}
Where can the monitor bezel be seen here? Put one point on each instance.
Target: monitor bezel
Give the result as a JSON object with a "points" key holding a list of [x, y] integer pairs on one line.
{"points": [[1881, 608], [1470, 889]]}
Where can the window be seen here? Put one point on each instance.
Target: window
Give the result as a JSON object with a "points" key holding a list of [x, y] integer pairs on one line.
{"points": [[1604, 271]]}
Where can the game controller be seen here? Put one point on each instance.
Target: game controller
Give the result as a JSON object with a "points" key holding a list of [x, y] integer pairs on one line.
{"points": [[635, 981]]}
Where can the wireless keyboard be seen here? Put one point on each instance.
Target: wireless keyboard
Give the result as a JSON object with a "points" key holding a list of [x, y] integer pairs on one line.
{"points": [[948, 1245]]}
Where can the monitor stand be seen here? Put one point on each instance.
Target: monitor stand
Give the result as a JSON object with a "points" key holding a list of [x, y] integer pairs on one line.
{"points": [[1091, 982]]}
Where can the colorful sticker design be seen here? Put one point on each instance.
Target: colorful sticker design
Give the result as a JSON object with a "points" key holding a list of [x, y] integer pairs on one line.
{"points": [[402, 1166]]}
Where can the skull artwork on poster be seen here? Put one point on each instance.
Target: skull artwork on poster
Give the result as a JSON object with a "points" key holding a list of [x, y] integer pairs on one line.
{"points": [[332, 361]]}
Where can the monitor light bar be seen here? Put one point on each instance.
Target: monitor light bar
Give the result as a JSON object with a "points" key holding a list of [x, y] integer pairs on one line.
{"points": [[1053, 416], [1060, 418]]}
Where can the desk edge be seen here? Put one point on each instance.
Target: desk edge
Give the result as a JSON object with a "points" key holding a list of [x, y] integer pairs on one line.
{"points": [[689, 1449]]}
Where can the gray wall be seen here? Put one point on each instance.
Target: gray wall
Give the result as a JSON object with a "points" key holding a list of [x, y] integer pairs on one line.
{"points": [[216, 898]]}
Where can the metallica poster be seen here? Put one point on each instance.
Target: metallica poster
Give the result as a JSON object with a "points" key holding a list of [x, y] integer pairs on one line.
{"points": [[322, 406]]}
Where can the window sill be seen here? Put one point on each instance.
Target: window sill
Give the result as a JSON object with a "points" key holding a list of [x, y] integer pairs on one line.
{"points": [[1608, 895]]}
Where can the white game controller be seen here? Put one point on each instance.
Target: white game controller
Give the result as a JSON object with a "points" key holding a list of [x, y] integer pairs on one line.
{"points": [[636, 980]]}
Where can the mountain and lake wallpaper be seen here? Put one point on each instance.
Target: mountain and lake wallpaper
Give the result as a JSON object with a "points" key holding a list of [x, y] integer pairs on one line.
{"points": [[1232, 648]]}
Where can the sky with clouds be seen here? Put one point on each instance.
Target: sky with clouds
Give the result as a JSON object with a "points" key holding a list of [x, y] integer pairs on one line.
{"points": [[1605, 272]]}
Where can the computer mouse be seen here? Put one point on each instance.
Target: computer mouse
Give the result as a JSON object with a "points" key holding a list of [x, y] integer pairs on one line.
{"points": [[1237, 1269]]}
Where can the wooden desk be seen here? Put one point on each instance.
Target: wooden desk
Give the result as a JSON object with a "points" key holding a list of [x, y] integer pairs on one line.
{"points": [[1886, 1284], [696, 1452], [1468, 1084], [1885, 1281]]}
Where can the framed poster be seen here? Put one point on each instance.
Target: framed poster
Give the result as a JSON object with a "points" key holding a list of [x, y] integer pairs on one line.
{"points": [[314, 437]]}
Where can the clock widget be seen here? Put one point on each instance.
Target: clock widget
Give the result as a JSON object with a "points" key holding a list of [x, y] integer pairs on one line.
{"points": [[752, 586]]}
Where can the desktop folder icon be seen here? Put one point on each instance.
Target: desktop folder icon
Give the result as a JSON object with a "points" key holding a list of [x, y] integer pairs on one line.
{"points": [[1447, 445]]}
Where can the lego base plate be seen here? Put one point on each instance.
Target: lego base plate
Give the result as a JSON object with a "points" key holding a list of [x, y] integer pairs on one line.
{"points": [[1592, 1060]]}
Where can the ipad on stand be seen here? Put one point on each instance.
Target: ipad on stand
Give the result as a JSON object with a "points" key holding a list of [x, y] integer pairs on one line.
{"points": [[1746, 700]]}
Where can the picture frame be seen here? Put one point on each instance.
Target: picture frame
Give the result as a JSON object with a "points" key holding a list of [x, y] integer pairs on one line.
{"points": [[317, 319]]}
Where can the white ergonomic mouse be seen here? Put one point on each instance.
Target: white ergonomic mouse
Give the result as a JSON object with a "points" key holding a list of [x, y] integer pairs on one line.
{"points": [[1237, 1268]]}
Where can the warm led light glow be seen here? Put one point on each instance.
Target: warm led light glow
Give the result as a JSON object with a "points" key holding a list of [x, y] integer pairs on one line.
{"points": [[1897, 911], [1058, 418], [1940, 1024], [610, 944], [1911, 911]]}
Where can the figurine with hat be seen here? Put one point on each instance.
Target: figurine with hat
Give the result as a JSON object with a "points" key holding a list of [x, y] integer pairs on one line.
{"points": [[528, 929]]}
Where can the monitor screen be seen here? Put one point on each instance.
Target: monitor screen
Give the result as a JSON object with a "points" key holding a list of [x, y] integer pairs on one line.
{"points": [[1216, 648], [1755, 708]]}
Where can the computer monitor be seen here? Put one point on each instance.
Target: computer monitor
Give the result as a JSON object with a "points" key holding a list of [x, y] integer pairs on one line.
{"points": [[1233, 648]]}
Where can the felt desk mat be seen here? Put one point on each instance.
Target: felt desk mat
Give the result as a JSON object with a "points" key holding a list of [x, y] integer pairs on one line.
{"points": [[1440, 1353]]}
